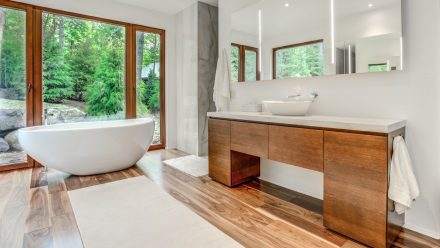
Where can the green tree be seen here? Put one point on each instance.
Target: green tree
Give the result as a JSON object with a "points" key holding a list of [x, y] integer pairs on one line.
{"points": [[57, 84], [105, 96], [12, 53]]}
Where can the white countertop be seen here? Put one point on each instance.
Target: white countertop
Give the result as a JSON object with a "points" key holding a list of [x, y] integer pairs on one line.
{"points": [[333, 122]]}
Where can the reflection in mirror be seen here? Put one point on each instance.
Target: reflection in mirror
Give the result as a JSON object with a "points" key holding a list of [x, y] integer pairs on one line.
{"points": [[281, 39]]}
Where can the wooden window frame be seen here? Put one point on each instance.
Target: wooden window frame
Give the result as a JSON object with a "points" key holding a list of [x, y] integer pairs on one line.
{"points": [[274, 53], [29, 73], [242, 62], [131, 94], [34, 68]]}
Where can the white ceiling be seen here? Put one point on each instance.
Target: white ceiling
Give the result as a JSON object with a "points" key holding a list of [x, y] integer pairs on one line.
{"points": [[165, 6], [277, 18]]}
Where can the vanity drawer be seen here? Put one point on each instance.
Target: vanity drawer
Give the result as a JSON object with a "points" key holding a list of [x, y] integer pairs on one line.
{"points": [[297, 146], [250, 138]]}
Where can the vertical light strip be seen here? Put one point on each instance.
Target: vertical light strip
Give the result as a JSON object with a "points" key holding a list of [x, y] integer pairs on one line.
{"points": [[401, 53], [349, 59], [260, 40], [332, 17]]}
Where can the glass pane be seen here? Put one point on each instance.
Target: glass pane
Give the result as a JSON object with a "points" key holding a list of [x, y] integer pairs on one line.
{"points": [[250, 58], [148, 67], [83, 70], [12, 84], [378, 68], [300, 61], [235, 63]]}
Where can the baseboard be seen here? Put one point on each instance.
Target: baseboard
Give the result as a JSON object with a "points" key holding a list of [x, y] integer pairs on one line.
{"points": [[423, 231]]}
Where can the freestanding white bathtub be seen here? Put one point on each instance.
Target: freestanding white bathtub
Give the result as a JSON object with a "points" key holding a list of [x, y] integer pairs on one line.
{"points": [[88, 148]]}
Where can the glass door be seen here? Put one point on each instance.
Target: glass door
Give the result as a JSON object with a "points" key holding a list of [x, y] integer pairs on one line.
{"points": [[150, 76], [83, 70], [15, 82]]}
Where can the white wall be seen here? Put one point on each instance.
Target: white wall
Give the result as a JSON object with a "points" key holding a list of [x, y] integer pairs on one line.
{"points": [[187, 77], [125, 13], [413, 95]]}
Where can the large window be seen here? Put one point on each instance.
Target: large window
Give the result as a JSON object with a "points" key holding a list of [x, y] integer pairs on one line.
{"points": [[244, 63], [298, 60], [83, 70], [12, 84], [58, 67]]}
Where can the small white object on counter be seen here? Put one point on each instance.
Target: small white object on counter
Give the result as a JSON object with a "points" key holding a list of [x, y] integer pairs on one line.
{"points": [[345, 123], [252, 107]]}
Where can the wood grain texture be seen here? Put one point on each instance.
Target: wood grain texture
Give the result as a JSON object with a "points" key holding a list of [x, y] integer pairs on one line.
{"points": [[253, 217], [250, 138], [244, 168], [355, 186], [219, 150], [297, 146]]}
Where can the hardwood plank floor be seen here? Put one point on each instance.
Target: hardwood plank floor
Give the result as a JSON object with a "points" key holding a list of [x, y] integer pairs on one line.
{"points": [[256, 214]]}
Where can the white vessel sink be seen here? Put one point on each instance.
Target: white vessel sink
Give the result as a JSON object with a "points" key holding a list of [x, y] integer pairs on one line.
{"points": [[289, 107]]}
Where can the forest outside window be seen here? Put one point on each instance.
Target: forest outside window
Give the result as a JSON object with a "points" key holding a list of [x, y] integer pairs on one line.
{"points": [[59, 67], [83, 70], [299, 60], [244, 63]]}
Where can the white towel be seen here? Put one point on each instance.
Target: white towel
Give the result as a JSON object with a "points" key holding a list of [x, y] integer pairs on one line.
{"points": [[222, 91], [403, 183]]}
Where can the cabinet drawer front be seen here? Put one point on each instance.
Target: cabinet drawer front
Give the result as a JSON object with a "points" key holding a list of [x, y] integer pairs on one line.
{"points": [[355, 186], [219, 140], [250, 138], [297, 146]]}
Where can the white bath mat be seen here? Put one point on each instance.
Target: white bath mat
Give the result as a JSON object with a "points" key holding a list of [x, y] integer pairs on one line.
{"points": [[135, 213], [193, 165]]}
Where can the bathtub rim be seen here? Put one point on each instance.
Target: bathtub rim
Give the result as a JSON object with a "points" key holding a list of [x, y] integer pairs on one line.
{"points": [[92, 125]]}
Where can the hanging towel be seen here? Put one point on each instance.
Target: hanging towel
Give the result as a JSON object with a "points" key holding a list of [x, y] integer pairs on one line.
{"points": [[222, 91], [403, 184]]}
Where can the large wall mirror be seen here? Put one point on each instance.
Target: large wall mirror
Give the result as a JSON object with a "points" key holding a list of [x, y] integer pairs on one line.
{"points": [[279, 39]]}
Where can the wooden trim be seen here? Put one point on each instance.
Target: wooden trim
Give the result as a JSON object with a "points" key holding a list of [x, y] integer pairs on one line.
{"points": [[162, 35], [256, 50], [14, 167], [29, 83], [274, 50], [156, 147], [15, 5], [130, 73], [242, 61]]}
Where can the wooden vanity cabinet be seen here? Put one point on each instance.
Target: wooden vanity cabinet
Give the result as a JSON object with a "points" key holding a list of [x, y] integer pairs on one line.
{"points": [[356, 178], [228, 166], [219, 146], [297, 146], [356, 185], [356, 169]]}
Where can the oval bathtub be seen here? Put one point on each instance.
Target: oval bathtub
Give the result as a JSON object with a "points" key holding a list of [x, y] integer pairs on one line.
{"points": [[88, 148]]}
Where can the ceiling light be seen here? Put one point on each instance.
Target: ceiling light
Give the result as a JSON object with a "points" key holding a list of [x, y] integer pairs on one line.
{"points": [[286, 5], [370, 5]]}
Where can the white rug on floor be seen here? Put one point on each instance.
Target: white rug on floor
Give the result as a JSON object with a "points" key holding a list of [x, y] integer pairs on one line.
{"points": [[136, 213], [193, 165]]}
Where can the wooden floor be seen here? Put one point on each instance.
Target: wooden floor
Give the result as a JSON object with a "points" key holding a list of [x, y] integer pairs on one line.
{"points": [[257, 214]]}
